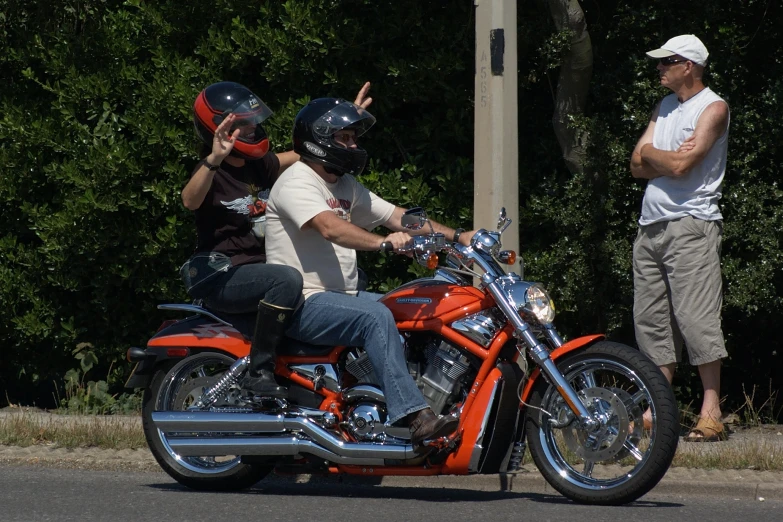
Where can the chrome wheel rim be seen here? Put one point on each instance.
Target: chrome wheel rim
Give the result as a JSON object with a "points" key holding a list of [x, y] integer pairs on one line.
{"points": [[178, 392], [616, 452]]}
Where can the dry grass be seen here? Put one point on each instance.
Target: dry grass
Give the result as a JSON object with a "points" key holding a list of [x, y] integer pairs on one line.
{"points": [[759, 455], [27, 429]]}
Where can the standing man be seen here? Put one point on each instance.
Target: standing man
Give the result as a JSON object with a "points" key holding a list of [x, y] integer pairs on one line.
{"points": [[317, 218], [676, 255]]}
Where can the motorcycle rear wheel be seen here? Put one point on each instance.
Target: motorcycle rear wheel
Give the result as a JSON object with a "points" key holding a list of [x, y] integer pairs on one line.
{"points": [[620, 462], [174, 387]]}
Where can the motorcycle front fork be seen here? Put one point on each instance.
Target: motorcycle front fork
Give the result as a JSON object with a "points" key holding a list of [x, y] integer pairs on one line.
{"points": [[540, 355]]}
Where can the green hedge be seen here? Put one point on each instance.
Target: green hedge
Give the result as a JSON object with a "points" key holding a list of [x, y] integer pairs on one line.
{"points": [[96, 142]]}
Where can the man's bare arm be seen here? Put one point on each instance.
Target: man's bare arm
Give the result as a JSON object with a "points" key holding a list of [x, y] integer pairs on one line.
{"points": [[710, 127], [639, 168], [348, 235], [395, 223]]}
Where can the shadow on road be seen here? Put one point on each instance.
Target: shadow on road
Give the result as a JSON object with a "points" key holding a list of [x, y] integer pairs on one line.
{"points": [[373, 491]]}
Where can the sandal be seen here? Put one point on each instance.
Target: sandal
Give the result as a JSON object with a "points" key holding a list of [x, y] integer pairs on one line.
{"points": [[707, 430]]}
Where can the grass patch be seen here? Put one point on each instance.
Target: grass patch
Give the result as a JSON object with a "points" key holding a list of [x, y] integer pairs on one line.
{"points": [[28, 429], [759, 455]]}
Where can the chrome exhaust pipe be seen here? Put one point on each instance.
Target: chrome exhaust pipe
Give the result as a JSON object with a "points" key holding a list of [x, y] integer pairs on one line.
{"points": [[223, 434], [271, 446], [209, 421]]}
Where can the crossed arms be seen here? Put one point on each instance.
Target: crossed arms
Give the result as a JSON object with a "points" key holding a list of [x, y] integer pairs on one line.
{"points": [[647, 162]]}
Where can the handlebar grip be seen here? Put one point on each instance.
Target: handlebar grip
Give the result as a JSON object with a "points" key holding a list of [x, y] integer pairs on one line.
{"points": [[386, 246]]}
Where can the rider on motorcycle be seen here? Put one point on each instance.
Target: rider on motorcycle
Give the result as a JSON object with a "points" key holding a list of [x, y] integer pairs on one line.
{"points": [[227, 191], [318, 216]]}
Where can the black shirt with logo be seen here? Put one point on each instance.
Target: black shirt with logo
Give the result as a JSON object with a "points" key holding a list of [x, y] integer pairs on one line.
{"points": [[232, 217]]}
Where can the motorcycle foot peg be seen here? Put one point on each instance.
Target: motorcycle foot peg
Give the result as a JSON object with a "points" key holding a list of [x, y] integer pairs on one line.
{"points": [[439, 443]]}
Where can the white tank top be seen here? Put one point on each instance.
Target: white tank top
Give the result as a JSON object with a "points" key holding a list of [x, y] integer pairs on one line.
{"points": [[696, 193]]}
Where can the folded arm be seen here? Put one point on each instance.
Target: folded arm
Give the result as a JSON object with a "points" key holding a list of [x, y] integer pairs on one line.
{"points": [[710, 127]]}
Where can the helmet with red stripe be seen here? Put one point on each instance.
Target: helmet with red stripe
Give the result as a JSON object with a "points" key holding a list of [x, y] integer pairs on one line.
{"points": [[217, 101]]}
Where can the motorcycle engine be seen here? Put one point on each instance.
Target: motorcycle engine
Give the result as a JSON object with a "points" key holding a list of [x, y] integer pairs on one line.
{"points": [[440, 382], [436, 365]]}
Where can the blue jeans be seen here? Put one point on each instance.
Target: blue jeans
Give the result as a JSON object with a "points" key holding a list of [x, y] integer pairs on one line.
{"points": [[236, 293], [329, 318]]}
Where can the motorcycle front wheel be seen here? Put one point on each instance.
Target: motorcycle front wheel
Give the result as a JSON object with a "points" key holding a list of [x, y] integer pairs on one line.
{"points": [[175, 389], [621, 461]]}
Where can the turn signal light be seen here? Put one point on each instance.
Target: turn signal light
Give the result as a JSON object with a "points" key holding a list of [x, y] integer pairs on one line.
{"points": [[508, 257], [432, 261], [135, 354]]}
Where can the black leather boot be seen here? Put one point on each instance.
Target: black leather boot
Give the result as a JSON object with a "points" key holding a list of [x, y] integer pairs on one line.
{"points": [[271, 324], [425, 425]]}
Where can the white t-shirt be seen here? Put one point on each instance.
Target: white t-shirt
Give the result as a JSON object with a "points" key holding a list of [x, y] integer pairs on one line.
{"points": [[297, 197], [696, 193]]}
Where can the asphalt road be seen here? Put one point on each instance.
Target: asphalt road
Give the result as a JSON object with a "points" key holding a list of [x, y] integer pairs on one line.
{"points": [[43, 494]]}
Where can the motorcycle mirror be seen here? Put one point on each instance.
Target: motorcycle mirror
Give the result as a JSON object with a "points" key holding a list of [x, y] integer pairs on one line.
{"points": [[414, 218], [503, 221], [502, 217]]}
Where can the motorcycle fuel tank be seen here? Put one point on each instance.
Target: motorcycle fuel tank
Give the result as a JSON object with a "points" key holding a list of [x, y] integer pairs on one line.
{"points": [[429, 298]]}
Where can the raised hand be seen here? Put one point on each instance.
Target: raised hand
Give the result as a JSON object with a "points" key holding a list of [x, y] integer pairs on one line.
{"points": [[223, 141], [361, 99]]}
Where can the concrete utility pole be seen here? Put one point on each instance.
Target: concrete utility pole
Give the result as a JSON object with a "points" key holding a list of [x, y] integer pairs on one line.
{"points": [[496, 164]]}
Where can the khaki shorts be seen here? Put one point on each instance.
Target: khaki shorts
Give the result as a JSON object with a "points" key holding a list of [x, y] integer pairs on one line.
{"points": [[678, 290]]}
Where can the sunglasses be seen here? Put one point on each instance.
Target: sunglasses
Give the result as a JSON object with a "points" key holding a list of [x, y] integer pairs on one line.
{"points": [[670, 60]]}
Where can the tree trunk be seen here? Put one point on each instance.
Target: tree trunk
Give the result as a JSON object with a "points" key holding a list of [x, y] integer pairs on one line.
{"points": [[574, 82]]}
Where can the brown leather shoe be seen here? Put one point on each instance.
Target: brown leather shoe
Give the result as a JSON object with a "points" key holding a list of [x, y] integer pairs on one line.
{"points": [[425, 425]]}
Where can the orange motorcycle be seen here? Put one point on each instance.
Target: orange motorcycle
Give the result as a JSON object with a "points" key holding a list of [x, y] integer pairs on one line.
{"points": [[489, 353]]}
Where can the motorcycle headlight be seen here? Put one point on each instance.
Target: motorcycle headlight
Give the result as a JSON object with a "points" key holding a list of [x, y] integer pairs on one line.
{"points": [[532, 301]]}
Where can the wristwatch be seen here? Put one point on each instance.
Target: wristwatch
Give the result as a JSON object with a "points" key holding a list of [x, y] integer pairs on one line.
{"points": [[457, 232], [209, 166]]}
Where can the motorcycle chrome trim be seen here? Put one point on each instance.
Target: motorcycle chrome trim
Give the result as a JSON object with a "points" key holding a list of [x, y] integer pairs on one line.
{"points": [[478, 447], [518, 292], [368, 392], [217, 435], [231, 377], [321, 375], [365, 422], [553, 336], [324, 418], [413, 300], [541, 357], [278, 446], [364, 391], [194, 309], [444, 274], [567, 471], [479, 328]]}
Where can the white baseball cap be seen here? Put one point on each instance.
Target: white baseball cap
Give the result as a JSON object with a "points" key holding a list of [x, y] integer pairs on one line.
{"points": [[685, 45]]}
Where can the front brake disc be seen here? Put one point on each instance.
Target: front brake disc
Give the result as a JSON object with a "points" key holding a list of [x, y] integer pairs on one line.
{"points": [[607, 442]]}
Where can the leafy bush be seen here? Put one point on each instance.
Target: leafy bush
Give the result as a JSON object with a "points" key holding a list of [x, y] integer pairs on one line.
{"points": [[96, 142]]}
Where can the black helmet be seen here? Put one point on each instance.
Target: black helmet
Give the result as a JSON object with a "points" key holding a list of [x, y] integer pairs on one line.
{"points": [[314, 130], [219, 100]]}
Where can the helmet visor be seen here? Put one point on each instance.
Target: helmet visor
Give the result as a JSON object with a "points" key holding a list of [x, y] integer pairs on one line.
{"points": [[249, 113], [345, 115]]}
